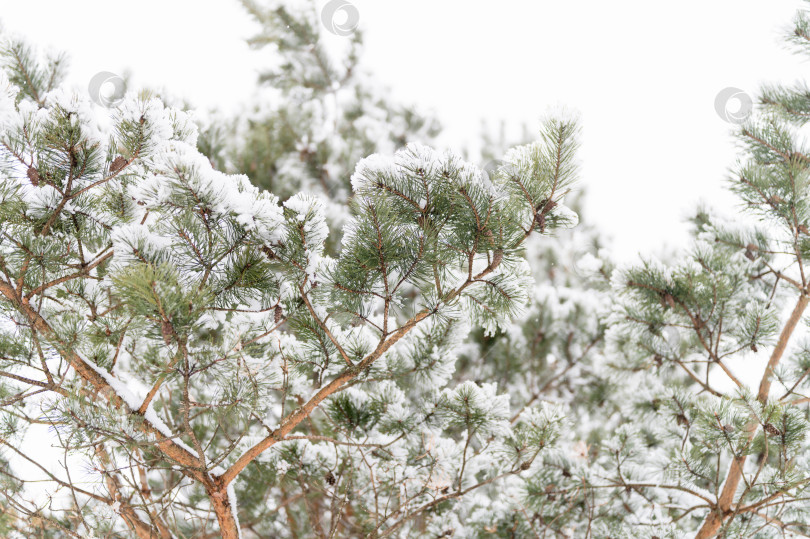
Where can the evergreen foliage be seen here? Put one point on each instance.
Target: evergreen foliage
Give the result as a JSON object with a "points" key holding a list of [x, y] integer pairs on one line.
{"points": [[178, 328], [305, 322]]}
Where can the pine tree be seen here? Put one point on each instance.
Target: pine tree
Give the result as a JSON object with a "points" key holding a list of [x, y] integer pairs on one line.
{"points": [[562, 319], [317, 114], [699, 451], [320, 112], [303, 323], [189, 343]]}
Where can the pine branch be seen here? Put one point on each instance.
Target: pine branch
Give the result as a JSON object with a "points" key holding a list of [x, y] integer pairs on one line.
{"points": [[724, 502]]}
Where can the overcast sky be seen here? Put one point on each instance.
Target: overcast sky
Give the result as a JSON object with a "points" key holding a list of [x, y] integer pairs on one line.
{"points": [[644, 76]]}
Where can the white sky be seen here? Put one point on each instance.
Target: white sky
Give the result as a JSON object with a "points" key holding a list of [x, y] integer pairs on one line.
{"points": [[643, 74]]}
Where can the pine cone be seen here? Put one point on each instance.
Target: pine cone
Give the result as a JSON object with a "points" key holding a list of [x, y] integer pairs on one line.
{"points": [[546, 206], [330, 478], [278, 314], [33, 176], [497, 258], [773, 431], [540, 219], [117, 164], [750, 251], [167, 330]]}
